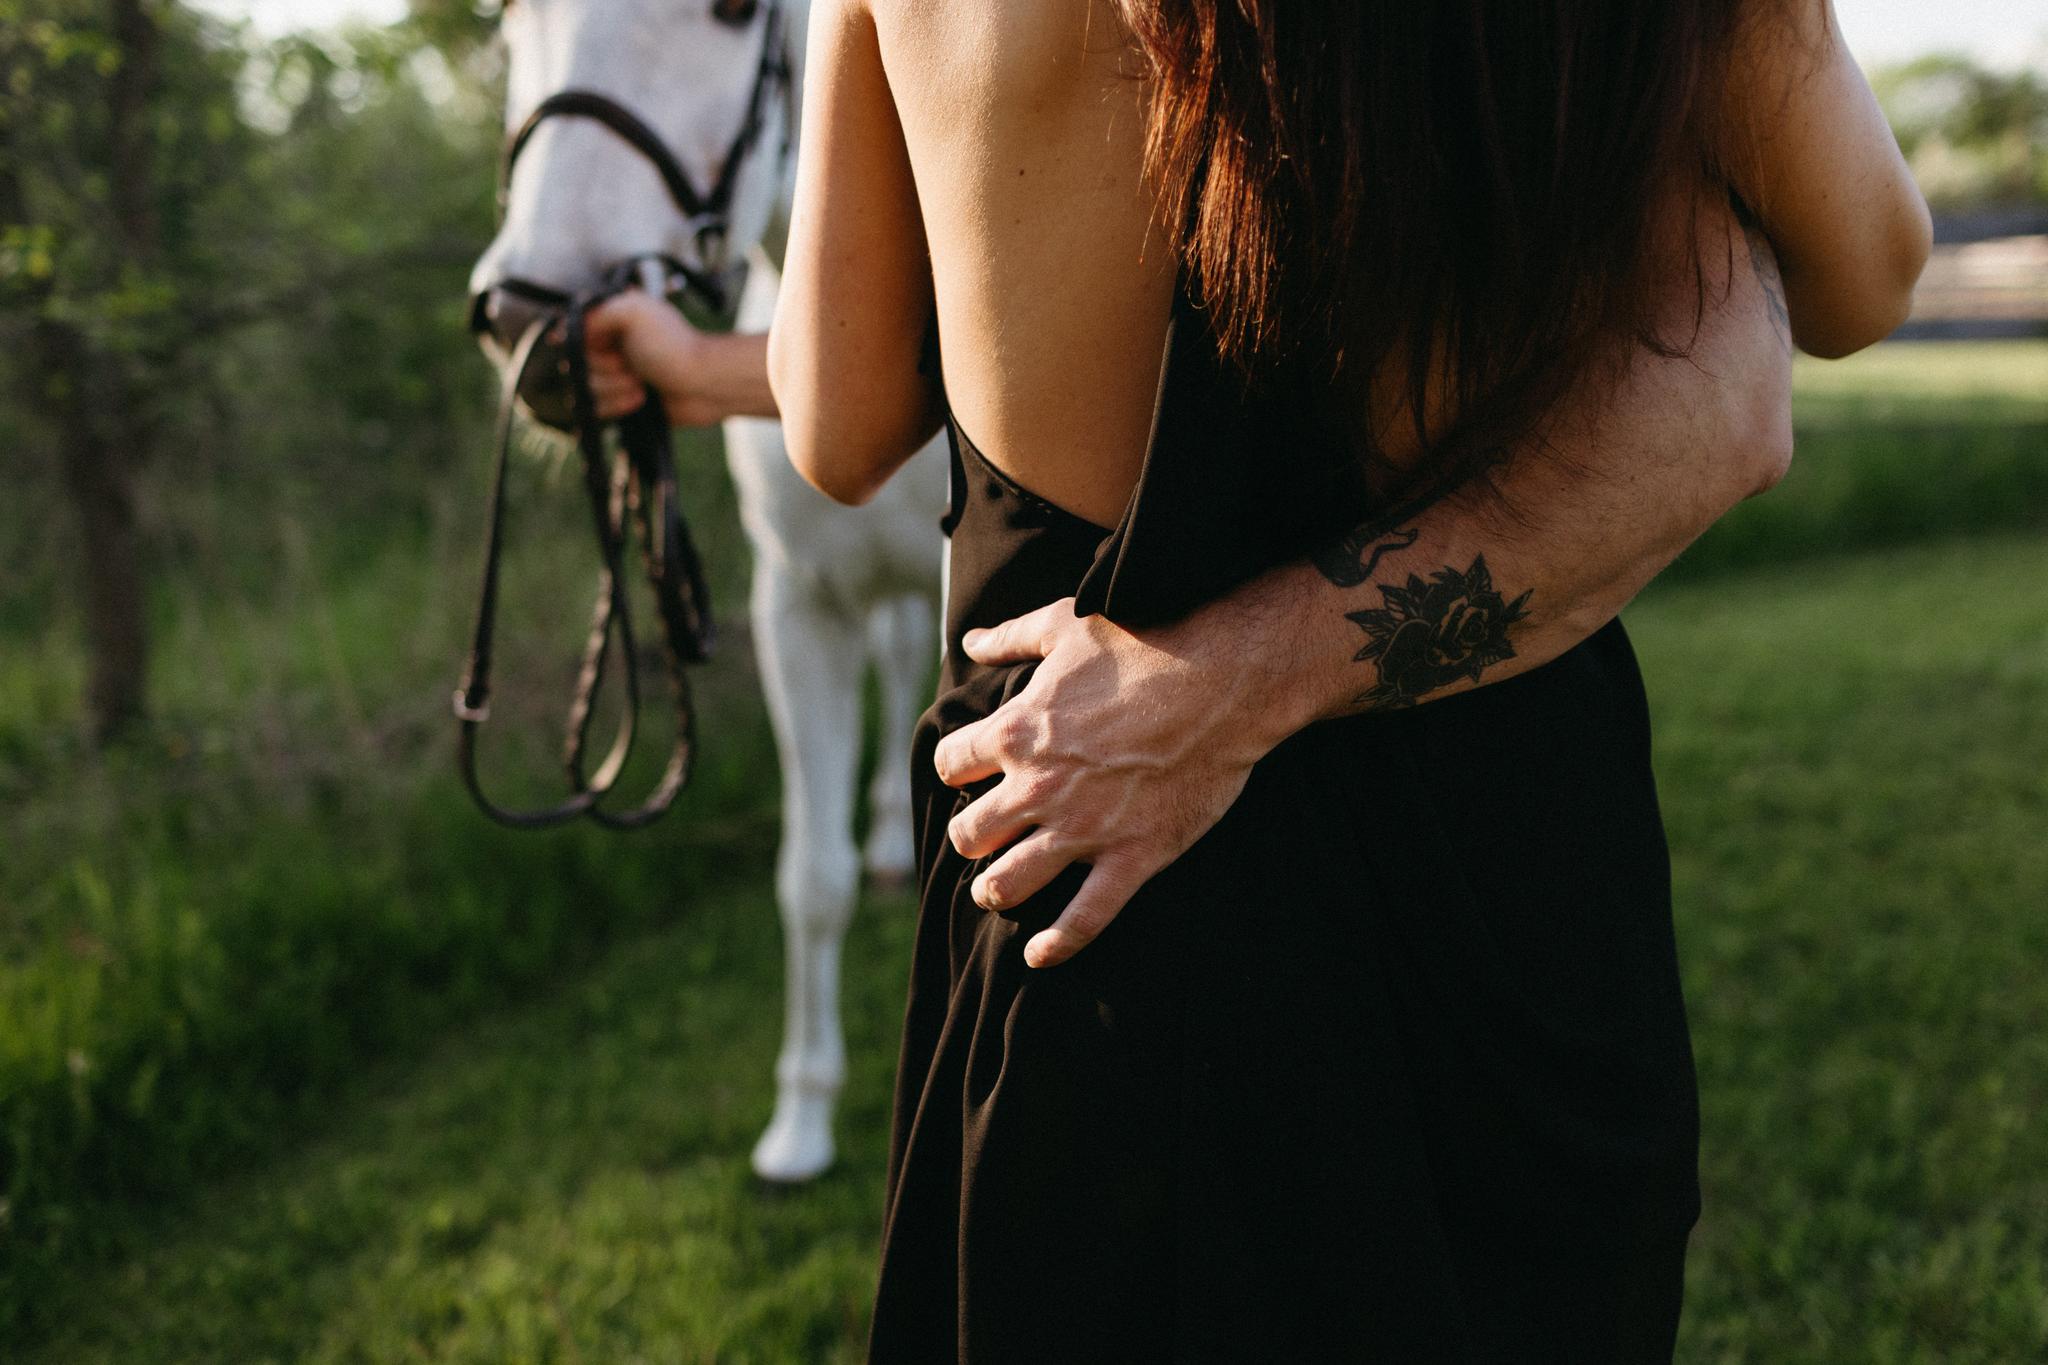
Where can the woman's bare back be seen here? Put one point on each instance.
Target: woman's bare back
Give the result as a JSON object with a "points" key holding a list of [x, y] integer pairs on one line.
{"points": [[1023, 124], [1025, 132]]}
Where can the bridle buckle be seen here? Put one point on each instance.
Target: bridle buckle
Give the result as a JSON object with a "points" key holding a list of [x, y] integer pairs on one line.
{"points": [[708, 231]]}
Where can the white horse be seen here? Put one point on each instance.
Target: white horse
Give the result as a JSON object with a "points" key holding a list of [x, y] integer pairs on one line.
{"points": [[834, 587]]}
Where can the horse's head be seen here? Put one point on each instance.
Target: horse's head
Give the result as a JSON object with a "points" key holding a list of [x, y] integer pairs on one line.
{"points": [[643, 141]]}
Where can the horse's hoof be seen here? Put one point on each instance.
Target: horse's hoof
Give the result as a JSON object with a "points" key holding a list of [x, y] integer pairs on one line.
{"points": [[790, 1164], [798, 1144]]}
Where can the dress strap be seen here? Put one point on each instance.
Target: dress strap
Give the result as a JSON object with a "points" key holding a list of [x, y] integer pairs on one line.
{"points": [[1238, 477], [931, 366]]}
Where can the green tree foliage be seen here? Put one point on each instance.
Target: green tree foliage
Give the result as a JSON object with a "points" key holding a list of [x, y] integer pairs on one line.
{"points": [[231, 280], [457, 27], [1974, 136], [95, 214]]}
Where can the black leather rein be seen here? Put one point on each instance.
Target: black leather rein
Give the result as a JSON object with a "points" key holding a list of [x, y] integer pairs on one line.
{"points": [[639, 479], [635, 486]]}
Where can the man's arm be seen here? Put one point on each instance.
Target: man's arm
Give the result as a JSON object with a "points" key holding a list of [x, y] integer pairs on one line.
{"points": [[1126, 747]]}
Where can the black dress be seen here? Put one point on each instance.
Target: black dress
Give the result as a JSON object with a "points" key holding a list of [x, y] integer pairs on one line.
{"points": [[1391, 1066]]}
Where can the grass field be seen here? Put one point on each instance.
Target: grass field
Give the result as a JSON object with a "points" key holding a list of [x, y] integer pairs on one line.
{"points": [[1897, 443], [564, 1180], [1855, 765], [203, 928], [300, 1061], [1854, 760], [1925, 383]]}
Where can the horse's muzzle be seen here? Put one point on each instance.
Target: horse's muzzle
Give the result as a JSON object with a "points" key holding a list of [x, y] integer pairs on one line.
{"points": [[499, 316]]}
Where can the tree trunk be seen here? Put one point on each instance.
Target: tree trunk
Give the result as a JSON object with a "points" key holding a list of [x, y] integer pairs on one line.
{"points": [[132, 186], [102, 411], [100, 478], [94, 395]]}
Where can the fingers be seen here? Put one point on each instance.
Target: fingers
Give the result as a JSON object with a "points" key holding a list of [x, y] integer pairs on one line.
{"points": [[613, 387], [969, 753], [616, 392], [604, 327], [613, 384], [993, 820], [1029, 636], [1109, 887], [642, 340], [1023, 872]]}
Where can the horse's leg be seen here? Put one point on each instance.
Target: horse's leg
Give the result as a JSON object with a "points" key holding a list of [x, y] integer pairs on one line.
{"points": [[811, 654], [811, 659], [900, 631]]}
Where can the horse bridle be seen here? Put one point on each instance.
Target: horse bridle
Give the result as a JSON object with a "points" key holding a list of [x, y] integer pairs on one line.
{"points": [[706, 213], [640, 478]]}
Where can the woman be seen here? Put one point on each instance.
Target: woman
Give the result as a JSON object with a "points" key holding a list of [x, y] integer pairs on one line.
{"points": [[1295, 976]]}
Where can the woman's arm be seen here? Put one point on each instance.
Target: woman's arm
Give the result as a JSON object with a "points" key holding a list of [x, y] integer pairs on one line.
{"points": [[856, 285], [632, 340], [1808, 150], [840, 366]]}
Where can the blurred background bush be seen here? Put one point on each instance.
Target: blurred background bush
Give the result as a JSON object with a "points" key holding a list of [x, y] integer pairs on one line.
{"points": [[301, 1060]]}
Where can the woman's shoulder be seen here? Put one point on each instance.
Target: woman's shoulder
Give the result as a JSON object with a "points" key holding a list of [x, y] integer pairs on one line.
{"points": [[1013, 44]]}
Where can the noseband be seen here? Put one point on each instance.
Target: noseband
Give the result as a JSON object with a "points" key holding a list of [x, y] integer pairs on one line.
{"points": [[639, 479], [708, 214]]}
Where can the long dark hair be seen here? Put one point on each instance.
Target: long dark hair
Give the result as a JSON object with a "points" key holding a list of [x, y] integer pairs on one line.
{"points": [[1456, 192]]}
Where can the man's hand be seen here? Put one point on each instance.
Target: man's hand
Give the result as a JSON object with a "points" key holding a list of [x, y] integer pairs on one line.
{"points": [[1120, 752]]}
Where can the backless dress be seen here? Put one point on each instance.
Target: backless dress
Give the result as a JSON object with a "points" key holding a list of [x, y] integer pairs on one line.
{"points": [[1392, 1065]]}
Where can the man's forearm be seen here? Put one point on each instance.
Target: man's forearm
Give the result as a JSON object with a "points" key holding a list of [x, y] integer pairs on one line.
{"points": [[1497, 579], [1452, 598]]}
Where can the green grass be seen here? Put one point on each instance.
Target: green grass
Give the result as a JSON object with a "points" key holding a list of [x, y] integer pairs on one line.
{"points": [[1854, 757], [1916, 383], [1855, 767], [1898, 443], [202, 930], [564, 1181], [207, 934]]}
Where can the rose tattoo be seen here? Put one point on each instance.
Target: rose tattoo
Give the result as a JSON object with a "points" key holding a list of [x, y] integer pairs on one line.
{"points": [[1430, 634]]}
